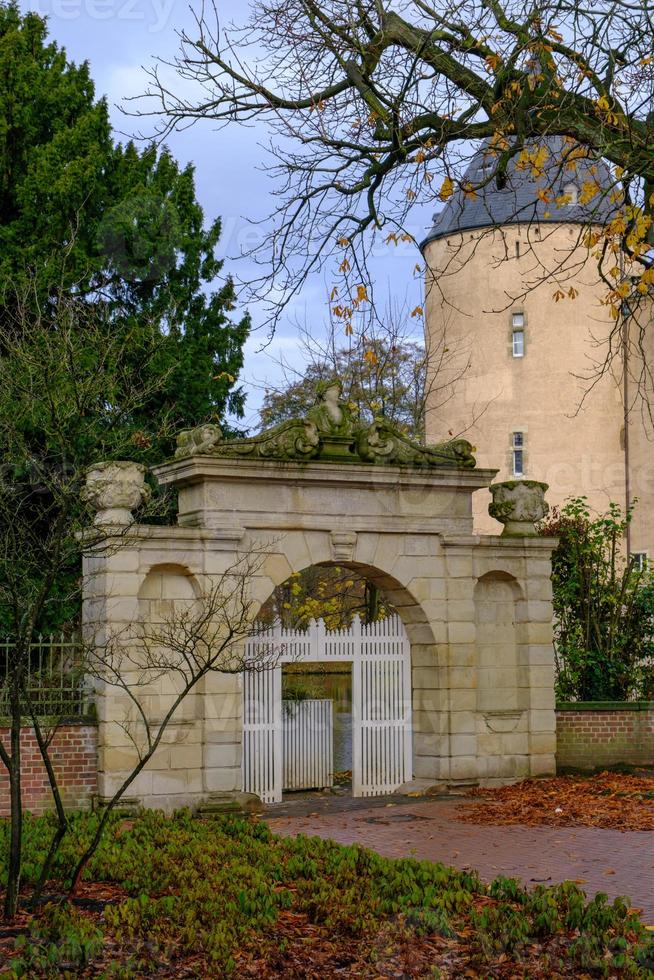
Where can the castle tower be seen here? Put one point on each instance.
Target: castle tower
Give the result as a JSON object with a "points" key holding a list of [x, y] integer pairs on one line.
{"points": [[518, 336]]}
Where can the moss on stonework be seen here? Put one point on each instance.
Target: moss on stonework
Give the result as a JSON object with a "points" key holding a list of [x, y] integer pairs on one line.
{"points": [[605, 706], [55, 721], [518, 534], [512, 484]]}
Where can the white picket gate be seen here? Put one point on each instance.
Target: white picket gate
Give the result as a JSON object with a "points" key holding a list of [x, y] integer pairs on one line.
{"points": [[380, 655], [381, 706], [308, 744]]}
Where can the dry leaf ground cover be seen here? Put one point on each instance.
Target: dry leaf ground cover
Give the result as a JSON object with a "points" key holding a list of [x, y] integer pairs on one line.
{"points": [[180, 897], [610, 800]]}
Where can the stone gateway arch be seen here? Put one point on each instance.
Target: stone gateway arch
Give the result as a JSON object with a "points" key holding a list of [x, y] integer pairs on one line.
{"points": [[325, 490]]}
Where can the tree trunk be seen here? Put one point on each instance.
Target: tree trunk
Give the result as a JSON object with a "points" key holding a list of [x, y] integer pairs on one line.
{"points": [[62, 820], [372, 602], [16, 804]]}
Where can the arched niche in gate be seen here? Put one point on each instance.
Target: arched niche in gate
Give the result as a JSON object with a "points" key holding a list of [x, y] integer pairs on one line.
{"points": [[502, 674], [498, 614], [169, 592], [166, 588]]}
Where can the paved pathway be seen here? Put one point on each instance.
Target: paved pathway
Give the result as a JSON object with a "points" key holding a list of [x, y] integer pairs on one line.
{"points": [[601, 860]]}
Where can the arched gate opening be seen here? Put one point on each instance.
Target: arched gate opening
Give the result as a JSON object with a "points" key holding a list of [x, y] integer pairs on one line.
{"points": [[380, 657]]}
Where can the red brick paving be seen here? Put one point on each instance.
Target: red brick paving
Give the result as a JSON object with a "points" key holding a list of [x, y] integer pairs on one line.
{"points": [[601, 860]]}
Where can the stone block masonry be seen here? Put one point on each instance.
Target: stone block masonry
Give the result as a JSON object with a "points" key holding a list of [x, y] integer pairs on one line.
{"points": [[73, 751], [593, 734], [476, 611]]}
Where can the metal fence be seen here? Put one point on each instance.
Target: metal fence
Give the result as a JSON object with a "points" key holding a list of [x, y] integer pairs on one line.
{"points": [[54, 676]]}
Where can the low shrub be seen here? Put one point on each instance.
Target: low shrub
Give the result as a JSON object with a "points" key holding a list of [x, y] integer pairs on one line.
{"points": [[214, 888]]}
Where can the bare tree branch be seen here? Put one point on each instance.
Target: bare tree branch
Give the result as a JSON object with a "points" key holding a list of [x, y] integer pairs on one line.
{"points": [[202, 636], [373, 107]]}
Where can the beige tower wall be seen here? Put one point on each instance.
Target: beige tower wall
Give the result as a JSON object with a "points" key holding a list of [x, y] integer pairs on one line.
{"points": [[474, 284], [640, 446]]}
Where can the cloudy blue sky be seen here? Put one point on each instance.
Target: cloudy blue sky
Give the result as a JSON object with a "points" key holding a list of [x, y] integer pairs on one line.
{"points": [[121, 37]]}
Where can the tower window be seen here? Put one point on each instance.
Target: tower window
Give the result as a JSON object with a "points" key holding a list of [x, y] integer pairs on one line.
{"points": [[518, 453], [639, 559], [517, 250], [571, 191], [518, 334]]}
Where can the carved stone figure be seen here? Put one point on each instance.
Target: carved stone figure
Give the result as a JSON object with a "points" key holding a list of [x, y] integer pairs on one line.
{"points": [[192, 442], [381, 442], [115, 489], [331, 415], [294, 439], [518, 505], [328, 432]]}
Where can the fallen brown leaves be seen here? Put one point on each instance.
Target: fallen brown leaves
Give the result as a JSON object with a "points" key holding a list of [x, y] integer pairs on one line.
{"points": [[298, 949], [609, 800], [91, 899], [301, 950]]}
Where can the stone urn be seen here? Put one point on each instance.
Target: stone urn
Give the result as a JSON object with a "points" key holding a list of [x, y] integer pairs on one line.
{"points": [[518, 505], [114, 490]]}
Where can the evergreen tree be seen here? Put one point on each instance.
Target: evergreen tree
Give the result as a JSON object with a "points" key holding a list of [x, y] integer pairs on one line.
{"points": [[115, 238], [113, 224]]}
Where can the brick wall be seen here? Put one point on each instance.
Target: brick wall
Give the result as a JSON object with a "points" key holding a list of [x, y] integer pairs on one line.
{"points": [[604, 733], [589, 735], [73, 751]]}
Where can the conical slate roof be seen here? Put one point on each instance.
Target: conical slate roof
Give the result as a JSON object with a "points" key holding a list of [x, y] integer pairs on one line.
{"points": [[518, 202]]}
